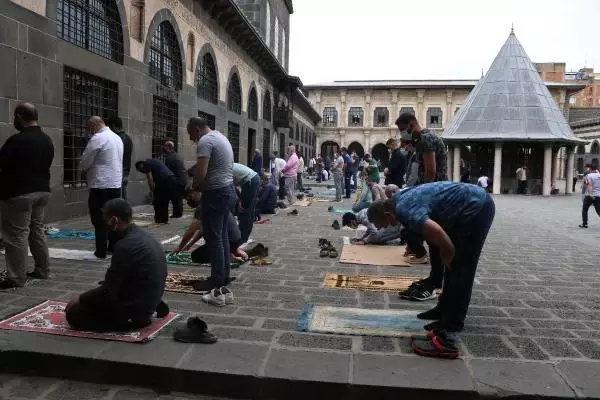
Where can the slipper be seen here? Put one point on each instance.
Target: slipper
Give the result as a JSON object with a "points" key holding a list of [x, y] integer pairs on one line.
{"points": [[195, 331], [330, 208], [333, 252], [435, 347], [323, 242], [324, 252], [336, 225]]}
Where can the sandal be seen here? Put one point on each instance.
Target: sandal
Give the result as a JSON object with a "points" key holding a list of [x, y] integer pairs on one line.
{"points": [[195, 331], [333, 252]]}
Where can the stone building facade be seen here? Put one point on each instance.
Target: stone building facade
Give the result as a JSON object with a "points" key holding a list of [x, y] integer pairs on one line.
{"points": [[360, 114], [585, 122], [154, 63]]}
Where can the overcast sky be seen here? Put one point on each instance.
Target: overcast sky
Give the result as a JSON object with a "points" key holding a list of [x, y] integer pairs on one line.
{"points": [[435, 39]]}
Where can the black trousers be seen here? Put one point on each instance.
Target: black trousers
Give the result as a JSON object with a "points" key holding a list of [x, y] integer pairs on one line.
{"points": [[177, 200], [522, 187], [85, 317], [96, 201], [281, 193], [587, 203], [347, 185], [414, 241], [164, 192]]}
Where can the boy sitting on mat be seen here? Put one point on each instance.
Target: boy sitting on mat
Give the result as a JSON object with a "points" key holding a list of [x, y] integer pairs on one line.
{"points": [[134, 283], [455, 218]]}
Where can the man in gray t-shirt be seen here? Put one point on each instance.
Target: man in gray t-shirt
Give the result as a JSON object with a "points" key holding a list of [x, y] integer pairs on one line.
{"points": [[592, 194], [213, 175]]}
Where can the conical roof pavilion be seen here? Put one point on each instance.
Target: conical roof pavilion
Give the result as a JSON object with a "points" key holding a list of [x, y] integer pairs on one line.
{"points": [[510, 103]]}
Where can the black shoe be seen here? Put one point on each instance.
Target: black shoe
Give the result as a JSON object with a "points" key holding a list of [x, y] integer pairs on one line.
{"points": [[36, 275], [195, 331], [444, 325], [162, 309], [9, 284], [206, 285], [583, 226], [431, 315], [258, 250], [336, 225], [437, 346], [98, 255]]}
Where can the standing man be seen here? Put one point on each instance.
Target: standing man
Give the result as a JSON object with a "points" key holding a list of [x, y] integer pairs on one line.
{"points": [[431, 157], [257, 162], [290, 173], [116, 125], [174, 162], [213, 176], [592, 195], [337, 168], [25, 160], [249, 183], [300, 171], [278, 165], [163, 185], [396, 169], [372, 168], [102, 160], [347, 171], [522, 180]]}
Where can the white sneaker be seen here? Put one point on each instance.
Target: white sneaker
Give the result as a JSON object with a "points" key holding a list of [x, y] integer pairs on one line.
{"points": [[228, 295], [215, 298]]}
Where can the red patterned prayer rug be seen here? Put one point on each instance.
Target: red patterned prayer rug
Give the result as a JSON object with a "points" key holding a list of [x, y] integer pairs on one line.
{"points": [[49, 317]]}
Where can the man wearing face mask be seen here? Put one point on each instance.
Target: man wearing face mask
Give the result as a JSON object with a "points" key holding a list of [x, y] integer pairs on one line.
{"points": [[25, 160], [134, 283]]}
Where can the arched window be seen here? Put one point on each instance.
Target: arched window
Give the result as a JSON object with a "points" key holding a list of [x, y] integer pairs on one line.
{"points": [[381, 116], [355, 116], [234, 95], [330, 116], [595, 149], [94, 25], [434, 117], [267, 107], [206, 79], [253, 105], [191, 49], [165, 56]]}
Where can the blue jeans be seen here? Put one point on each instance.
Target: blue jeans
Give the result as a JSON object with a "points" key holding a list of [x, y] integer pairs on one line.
{"points": [[248, 198], [216, 205]]}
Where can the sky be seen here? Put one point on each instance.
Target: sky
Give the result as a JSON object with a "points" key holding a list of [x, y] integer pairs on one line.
{"points": [[435, 39]]}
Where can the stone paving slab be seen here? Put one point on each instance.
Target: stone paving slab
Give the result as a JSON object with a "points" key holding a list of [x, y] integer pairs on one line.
{"points": [[534, 318]]}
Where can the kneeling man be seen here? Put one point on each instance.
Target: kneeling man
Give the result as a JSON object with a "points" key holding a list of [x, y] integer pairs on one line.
{"points": [[134, 283]]}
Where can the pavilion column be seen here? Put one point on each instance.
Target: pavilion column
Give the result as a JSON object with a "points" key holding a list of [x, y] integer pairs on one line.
{"points": [[570, 165], [449, 162], [496, 182], [555, 167], [547, 182], [456, 166]]}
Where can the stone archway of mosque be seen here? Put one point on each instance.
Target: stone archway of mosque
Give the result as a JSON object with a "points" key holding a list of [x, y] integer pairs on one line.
{"points": [[329, 148], [356, 147], [516, 155], [381, 154], [595, 149]]}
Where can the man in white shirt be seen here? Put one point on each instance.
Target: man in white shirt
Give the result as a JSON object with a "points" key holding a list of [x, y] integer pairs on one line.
{"points": [[279, 164], [483, 181], [592, 195], [338, 175], [102, 160], [522, 180]]}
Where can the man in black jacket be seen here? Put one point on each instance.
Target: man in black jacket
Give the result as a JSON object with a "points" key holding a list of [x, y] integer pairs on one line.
{"points": [[116, 125], [175, 163], [396, 170], [25, 161], [134, 283]]}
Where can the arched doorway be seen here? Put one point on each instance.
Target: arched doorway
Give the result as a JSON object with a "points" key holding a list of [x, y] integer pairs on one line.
{"points": [[328, 149], [356, 147], [380, 153], [595, 149]]}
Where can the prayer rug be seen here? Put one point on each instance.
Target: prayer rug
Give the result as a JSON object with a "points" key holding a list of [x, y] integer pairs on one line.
{"points": [[68, 254], [339, 210], [392, 256], [182, 283], [185, 258], [49, 317], [143, 215], [302, 203], [369, 282], [359, 321], [71, 234]]}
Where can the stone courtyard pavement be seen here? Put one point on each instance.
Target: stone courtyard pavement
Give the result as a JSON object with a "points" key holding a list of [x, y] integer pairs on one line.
{"points": [[532, 329]]}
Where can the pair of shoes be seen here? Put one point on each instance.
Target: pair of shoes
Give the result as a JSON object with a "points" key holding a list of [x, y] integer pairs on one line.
{"points": [[9, 284], [162, 309], [336, 225], [327, 249], [300, 196], [219, 297], [258, 249], [583, 226], [419, 291], [330, 208], [437, 344], [195, 331], [35, 274], [412, 259], [294, 212]]}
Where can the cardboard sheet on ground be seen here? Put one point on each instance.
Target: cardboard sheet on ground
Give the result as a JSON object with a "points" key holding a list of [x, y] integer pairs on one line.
{"points": [[392, 256], [302, 203], [182, 283], [359, 321], [69, 254], [49, 318], [369, 282]]}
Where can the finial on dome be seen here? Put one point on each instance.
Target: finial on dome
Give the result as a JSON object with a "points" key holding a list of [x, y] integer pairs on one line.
{"points": [[512, 28]]}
